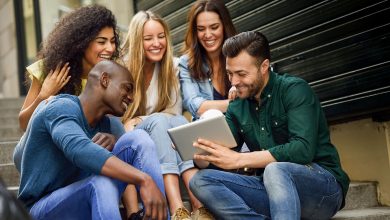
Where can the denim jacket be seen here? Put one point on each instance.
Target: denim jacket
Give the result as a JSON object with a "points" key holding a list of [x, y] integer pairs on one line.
{"points": [[195, 92]]}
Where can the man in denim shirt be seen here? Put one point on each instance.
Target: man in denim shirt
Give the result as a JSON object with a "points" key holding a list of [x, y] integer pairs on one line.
{"points": [[279, 117], [65, 175]]}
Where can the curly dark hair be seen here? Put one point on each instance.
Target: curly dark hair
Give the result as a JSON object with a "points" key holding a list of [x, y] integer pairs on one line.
{"points": [[71, 37]]}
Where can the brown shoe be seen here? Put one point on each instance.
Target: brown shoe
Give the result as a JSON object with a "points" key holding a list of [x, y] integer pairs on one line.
{"points": [[181, 214], [202, 214]]}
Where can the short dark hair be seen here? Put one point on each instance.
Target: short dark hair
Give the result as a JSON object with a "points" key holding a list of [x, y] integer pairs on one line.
{"points": [[253, 42]]}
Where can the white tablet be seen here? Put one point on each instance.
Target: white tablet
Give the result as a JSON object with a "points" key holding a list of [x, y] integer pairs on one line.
{"points": [[214, 129]]}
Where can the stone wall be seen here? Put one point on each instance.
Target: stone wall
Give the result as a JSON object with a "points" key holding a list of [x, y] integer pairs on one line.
{"points": [[9, 83], [364, 148]]}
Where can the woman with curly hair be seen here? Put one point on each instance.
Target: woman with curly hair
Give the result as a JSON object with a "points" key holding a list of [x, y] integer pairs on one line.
{"points": [[204, 82], [157, 104], [79, 40], [76, 44]]}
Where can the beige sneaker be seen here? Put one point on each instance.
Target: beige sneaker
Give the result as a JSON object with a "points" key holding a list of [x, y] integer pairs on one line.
{"points": [[202, 214], [181, 214]]}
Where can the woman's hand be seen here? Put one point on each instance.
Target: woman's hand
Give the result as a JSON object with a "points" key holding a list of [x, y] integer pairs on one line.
{"points": [[130, 124], [232, 93], [55, 81]]}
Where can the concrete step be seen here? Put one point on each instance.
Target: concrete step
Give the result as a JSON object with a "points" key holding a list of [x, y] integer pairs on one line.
{"points": [[12, 102], [372, 213], [12, 111], [9, 174], [361, 195], [9, 119], [7, 149], [10, 132]]}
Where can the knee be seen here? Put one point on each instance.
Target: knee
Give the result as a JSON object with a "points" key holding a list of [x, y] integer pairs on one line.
{"points": [[271, 168], [135, 138], [178, 120], [104, 186], [199, 180], [157, 120], [274, 171]]}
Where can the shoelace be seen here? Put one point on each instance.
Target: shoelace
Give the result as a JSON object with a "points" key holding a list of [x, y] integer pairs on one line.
{"points": [[181, 212], [137, 216], [204, 211]]}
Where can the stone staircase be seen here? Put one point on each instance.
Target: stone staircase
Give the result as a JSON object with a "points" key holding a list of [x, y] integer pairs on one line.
{"points": [[9, 135], [361, 203]]}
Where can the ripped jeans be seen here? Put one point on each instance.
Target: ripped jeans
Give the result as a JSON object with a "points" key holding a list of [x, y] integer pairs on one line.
{"points": [[285, 191]]}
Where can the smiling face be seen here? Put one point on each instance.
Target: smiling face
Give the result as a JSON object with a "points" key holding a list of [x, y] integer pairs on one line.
{"points": [[120, 91], [154, 41], [101, 48], [248, 77], [209, 30]]}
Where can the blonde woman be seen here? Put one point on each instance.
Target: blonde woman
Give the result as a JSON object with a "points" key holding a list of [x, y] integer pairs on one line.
{"points": [[157, 104]]}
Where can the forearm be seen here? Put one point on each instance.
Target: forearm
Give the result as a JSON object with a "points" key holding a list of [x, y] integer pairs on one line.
{"points": [[213, 104], [26, 112], [255, 159], [115, 168]]}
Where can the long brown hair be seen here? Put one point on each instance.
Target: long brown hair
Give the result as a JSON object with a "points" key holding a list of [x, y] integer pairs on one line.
{"points": [[194, 50]]}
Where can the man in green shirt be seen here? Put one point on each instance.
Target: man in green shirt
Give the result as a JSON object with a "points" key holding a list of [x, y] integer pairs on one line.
{"points": [[279, 117]]}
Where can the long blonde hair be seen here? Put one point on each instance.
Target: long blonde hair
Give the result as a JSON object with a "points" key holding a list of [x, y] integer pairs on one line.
{"points": [[133, 49]]}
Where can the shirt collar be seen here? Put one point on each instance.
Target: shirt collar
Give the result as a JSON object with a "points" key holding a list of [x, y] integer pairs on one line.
{"points": [[267, 91], [268, 88]]}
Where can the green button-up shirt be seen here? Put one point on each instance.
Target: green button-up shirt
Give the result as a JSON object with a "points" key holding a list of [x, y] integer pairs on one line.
{"points": [[289, 123]]}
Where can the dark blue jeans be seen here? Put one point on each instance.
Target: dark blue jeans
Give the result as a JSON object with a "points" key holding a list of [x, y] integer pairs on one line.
{"points": [[97, 197], [286, 191]]}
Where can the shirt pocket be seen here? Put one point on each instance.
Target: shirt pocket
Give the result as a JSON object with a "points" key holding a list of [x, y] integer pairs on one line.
{"points": [[248, 133], [279, 126]]}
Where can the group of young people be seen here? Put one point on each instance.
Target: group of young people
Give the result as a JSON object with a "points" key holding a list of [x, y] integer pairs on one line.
{"points": [[104, 134]]}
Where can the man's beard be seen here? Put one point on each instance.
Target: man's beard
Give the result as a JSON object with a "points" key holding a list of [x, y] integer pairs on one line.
{"points": [[257, 87]]}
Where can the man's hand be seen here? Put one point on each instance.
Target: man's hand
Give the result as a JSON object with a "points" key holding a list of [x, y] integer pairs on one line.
{"points": [[55, 81], [154, 201], [218, 155], [105, 140]]}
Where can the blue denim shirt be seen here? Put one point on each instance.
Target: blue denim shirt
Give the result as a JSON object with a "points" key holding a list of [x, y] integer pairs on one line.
{"points": [[194, 92]]}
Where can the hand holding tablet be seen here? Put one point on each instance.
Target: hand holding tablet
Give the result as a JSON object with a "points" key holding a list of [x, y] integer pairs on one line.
{"points": [[212, 126]]}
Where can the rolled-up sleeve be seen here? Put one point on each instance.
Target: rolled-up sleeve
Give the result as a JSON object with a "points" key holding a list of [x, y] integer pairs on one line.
{"points": [[189, 88]]}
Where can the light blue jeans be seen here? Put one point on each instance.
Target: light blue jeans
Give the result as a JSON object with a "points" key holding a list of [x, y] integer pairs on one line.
{"points": [[157, 125], [286, 191], [97, 197]]}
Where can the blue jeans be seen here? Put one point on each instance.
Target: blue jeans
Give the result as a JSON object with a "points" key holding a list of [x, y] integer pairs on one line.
{"points": [[97, 197], [157, 125], [286, 191]]}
